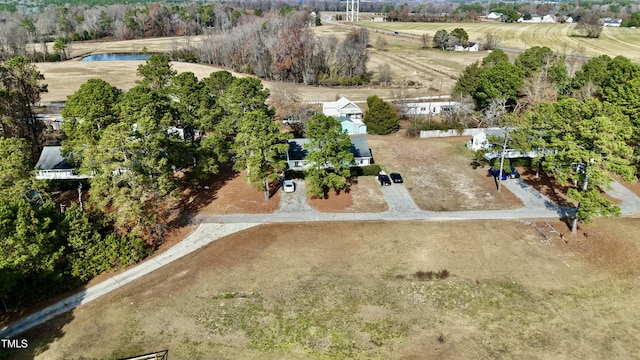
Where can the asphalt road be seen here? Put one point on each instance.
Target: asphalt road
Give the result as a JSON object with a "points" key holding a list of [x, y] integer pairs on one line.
{"points": [[295, 209]]}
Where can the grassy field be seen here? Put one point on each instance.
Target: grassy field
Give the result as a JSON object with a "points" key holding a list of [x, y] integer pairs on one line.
{"points": [[559, 37], [361, 291]]}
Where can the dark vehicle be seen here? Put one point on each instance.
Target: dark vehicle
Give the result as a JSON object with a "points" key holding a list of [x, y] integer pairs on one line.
{"points": [[396, 178], [514, 174], [384, 180]]}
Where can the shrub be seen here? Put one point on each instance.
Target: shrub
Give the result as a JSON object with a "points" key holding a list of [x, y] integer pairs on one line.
{"points": [[369, 170]]}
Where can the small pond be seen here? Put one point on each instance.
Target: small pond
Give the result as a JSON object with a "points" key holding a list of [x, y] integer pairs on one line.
{"points": [[116, 57]]}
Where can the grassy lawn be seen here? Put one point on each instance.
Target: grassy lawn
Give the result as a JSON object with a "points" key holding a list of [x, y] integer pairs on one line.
{"points": [[355, 291]]}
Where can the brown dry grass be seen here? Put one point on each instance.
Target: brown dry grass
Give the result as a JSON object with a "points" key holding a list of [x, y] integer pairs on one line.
{"points": [[365, 196], [508, 297], [227, 193], [440, 173], [432, 72]]}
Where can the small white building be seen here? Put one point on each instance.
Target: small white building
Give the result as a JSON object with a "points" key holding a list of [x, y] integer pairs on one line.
{"points": [[612, 22], [472, 46], [496, 16]]}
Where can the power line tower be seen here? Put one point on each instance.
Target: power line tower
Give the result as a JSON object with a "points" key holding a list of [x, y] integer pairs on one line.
{"points": [[353, 10]]}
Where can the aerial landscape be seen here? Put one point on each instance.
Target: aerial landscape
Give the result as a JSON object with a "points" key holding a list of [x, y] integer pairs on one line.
{"points": [[319, 180]]}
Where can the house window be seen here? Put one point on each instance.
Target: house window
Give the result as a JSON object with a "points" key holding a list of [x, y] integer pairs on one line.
{"points": [[296, 164]]}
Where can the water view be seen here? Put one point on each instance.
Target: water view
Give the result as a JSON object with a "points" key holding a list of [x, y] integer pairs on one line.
{"points": [[116, 57]]}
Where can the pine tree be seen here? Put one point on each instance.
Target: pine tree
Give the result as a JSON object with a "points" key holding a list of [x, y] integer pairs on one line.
{"points": [[381, 118]]}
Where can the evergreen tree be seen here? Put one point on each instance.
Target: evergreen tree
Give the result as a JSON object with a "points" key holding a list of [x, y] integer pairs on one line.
{"points": [[260, 147], [328, 155], [381, 118]]}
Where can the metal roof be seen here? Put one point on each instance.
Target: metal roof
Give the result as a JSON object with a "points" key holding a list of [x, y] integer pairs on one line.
{"points": [[51, 159]]}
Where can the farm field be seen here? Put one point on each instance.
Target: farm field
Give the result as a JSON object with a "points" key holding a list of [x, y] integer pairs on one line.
{"points": [[349, 290], [561, 38]]}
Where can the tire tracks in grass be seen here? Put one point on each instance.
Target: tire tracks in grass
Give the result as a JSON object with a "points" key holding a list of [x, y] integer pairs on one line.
{"points": [[412, 65]]}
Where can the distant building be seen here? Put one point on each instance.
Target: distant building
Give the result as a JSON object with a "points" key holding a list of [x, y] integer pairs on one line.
{"points": [[472, 46], [426, 108], [612, 22], [495, 16]]}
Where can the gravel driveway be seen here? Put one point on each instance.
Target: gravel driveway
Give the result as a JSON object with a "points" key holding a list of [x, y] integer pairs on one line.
{"points": [[296, 201]]}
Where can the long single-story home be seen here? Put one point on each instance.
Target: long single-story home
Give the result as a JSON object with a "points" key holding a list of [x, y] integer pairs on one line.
{"points": [[612, 22], [53, 166], [427, 108], [472, 46], [297, 152]]}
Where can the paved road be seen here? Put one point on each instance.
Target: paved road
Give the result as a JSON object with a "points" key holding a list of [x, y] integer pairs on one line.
{"points": [[295, 209]]}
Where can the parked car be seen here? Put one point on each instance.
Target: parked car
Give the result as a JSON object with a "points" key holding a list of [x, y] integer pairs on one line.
{"points": [[288, 186], [396, 178], [384, 179], [496, 173], [514, 174]]}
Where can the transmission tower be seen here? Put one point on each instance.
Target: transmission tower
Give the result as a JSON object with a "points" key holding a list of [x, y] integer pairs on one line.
{"points": [[353, 10]]}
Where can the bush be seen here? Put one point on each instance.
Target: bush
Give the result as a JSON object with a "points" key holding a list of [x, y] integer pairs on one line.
{"points": [[369, 170]]}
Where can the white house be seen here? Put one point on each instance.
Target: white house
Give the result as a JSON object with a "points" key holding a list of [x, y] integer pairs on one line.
{"points": [[612, 22], [548, 19], [427, 108], [53, 166], [348, 114], [472, 46], [496, 16], [535, 18], [480, 141], [342, 107], [297, 152]]}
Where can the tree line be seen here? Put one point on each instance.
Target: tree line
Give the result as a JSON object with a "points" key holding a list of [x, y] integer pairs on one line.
{"points": [[586, 115], [140, 148]]}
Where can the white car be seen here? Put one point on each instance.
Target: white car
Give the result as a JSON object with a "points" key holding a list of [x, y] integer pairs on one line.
{"points": [[288, 186]]}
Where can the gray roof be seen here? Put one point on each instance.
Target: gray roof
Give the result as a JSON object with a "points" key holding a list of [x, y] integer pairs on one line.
{"points": [[51, 159], [359, 147], [296, 148]]}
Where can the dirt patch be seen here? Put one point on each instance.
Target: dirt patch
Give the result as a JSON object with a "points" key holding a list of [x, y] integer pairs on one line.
{"points": [[363, 196], [227, 192], [441, 173]]}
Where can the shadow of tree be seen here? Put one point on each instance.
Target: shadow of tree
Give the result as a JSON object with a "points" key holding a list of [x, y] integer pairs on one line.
{"points": [[197, 195], [548, 187]]}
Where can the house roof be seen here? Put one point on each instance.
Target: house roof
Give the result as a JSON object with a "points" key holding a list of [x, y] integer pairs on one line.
{"points": [[51, 159], [359, 147], [341, 119], [341, 104], [296, 148]]}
